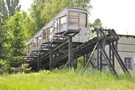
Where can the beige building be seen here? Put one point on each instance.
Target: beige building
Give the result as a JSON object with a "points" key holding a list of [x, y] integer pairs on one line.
{"points": [[126, 49]]}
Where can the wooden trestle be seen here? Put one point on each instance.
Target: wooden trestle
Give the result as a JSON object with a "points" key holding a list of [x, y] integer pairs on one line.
{"points": [[65, 52]]}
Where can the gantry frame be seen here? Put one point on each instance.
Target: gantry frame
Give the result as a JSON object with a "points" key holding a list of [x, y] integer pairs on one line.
{"points": [[65, 52]]}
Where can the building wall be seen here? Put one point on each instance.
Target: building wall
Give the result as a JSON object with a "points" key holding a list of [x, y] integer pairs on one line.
{"points": [[126, 49]]}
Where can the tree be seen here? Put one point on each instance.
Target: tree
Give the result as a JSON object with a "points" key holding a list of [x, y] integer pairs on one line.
{"points": [[28, 25], [12, 6], [96, 24], [80, 3], [2, 39], [16, 39], [35, 14], [15, 32], [50, 9], [4, 66], [3, 11], [8, 8]]}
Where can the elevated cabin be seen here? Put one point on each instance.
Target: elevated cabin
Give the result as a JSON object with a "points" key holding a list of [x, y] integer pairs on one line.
{"points": [[66, 22]]}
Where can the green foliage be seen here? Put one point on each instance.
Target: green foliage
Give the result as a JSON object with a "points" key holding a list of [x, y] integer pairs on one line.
{"points": [[50, 9], [3, 39], [3, 11], [65, 80], [4, 66], [80, 63], [22, 69], [12, 6], [96, 24], [15, 33], [28, 25], [12, 41], [8, 8], [35, 13], [16, 37], [80, 3]]}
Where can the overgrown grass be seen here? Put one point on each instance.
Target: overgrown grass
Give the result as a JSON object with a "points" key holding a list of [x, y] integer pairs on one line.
{"points": [[66, 80]]}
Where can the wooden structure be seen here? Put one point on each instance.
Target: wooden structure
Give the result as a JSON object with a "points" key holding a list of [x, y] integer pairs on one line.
{"points": [[67, 42]]}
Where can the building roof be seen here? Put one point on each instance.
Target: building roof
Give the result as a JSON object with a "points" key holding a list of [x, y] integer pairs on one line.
{"points": [[123, 35]]}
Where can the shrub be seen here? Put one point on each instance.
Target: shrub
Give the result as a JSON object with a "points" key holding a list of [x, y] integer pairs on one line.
{"points": [[4, 66]]}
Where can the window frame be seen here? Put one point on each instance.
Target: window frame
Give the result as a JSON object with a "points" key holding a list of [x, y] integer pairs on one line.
{"points": [[128, 62], [85, 19], [60, 19], [78, 17], [70, 16]]}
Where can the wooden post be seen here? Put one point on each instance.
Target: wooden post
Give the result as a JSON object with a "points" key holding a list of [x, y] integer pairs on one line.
{"points": [[70, 56]]}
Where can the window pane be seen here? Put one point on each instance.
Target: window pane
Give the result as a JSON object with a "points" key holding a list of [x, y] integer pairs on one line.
{"points": [[55, 24], [83, 19], [73, 18], [63, 20], [127, 62], [73, 13], [73, 21], [34, 44], [47, 35]]}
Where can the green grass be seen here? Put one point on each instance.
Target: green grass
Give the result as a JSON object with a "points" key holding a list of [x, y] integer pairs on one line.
{"points": [[66, 80]]}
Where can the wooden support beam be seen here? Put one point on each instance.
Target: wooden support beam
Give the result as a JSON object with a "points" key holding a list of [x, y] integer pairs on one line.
{"points": [[101, 61], [125, 70], [75, 63], [108, 61], [70, 55], [50, 58], [89, 59]]}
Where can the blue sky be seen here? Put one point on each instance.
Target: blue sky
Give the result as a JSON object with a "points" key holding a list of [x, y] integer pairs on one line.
{"points": [[114, 14]]}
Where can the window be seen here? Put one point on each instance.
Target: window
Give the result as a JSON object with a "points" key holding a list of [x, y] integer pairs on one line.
{"points": [[63, 20], [39, 40], [73, 18], [83, 19], [73, 21], [47, 34], [29, 47], [75, 14], [55, 23], [34, 43], [44, 34], [128, 63]]}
